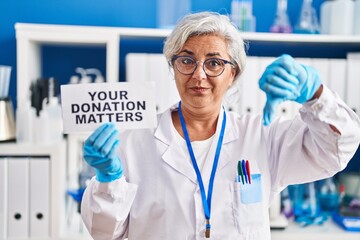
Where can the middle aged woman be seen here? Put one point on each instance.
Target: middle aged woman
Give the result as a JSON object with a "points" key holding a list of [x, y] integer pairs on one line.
{"points": [[183, 179]]}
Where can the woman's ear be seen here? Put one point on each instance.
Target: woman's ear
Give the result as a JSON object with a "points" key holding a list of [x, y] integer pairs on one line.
{"points": [[233, 74]]}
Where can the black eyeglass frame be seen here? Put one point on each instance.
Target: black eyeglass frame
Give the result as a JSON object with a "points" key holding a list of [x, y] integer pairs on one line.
{"points": [[173, 59]]}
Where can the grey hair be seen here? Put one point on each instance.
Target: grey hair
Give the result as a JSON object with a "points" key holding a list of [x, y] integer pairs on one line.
{"points": [[205, 23]]}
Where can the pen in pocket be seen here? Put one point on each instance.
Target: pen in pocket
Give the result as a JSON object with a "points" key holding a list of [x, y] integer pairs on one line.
{"points": [[244, 170], [244, 174], [248, 171], [240, 172]]}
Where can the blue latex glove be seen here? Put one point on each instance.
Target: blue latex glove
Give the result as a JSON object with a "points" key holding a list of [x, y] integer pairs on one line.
{"points": [[285, 79], [100, 153]]}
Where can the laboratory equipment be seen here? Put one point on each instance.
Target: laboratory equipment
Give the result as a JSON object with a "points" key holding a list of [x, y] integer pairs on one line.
{"points": [[47, 125], [308, 21], [325, 9], [40, 91], [98, 76], [277, 218], [5, 72], [7, 118], [281, 23], [25, 117], [312, 199], [52, 112], [351, 181], [286, 204], [84, 77], [74, 79], [348, 223], [241, 15], [357, 17], [86, 172], [328, 197], [348, 213], [339, 15], [7, 121], [306, 208], [170, 11]]}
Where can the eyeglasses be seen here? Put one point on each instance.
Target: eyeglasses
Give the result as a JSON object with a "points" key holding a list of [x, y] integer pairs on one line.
{"points": [[212, 67]]}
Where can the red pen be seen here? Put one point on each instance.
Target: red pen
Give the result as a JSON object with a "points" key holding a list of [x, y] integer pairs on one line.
{"points": [[248, 171]]}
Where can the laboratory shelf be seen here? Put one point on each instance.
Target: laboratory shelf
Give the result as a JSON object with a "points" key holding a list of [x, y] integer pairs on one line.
{"points": [[30, 37], [301, 38], [51, 33]]}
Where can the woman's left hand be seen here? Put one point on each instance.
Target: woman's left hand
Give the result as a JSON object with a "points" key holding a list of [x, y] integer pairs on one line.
{"points": [[285, 79]]}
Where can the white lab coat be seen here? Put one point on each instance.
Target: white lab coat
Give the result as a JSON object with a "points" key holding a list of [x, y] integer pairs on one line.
{"points": [[159, 198]]}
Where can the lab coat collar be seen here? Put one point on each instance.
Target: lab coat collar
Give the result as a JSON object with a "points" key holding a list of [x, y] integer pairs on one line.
{"points": [[176, 158]]}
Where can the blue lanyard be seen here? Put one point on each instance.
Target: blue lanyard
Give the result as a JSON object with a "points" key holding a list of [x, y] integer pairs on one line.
{"points": [[206, 202]]}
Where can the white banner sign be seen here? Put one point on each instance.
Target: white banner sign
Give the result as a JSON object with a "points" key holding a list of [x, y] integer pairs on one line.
{"points": [[86, 106]]}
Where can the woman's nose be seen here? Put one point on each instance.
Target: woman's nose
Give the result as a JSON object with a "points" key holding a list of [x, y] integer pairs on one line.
{"points": [[199, 72]]}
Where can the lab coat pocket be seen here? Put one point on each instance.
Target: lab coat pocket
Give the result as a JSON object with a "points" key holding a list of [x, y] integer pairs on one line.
{"points": [[248, 206], [251, 193]]}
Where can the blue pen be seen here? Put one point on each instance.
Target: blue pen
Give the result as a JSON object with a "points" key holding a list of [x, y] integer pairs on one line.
{"points": [[244, 170]]}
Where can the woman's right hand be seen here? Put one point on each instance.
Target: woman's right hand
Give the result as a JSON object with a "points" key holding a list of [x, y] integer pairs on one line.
{"points": [[100, 152]]}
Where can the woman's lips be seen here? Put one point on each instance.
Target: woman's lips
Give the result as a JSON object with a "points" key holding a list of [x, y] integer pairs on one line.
{"points": [[199, 89]]}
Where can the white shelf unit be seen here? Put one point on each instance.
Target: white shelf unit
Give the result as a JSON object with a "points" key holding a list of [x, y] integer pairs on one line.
{"points": [[31, 37], [58, 229], [57, 157]]}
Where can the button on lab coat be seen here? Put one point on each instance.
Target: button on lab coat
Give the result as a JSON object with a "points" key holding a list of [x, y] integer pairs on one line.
{"points": [[158, 197]]}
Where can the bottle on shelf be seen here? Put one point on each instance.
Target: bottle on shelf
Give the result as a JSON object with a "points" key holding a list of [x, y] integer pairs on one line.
{"points": [[341, 193], [74, 79], [170, 11], [25, 116], [308, 21], [84, 77], [337, 17], [242, 15], [281, 23], [53, 110], [328, 196], [41, 126], [98, 76], [325, 16], [49, 126], [357, 17]]}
